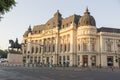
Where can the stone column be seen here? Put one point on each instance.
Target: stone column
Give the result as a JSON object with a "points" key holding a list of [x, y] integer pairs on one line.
{"points": [[89, 60], [42, 51]]}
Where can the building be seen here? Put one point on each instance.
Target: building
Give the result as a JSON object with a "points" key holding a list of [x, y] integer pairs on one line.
{"points": [[72, 41]]}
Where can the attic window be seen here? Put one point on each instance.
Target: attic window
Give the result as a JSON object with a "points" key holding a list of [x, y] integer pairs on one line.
{"points": [[53, 24], [67, 24], [35, 31], [48, 24], [39, 31]]}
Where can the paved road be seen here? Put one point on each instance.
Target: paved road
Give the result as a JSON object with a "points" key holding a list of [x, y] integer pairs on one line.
{"points": [[22, 73]]}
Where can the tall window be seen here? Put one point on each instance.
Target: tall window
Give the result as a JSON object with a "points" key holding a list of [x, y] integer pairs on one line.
{"points": [[45, 46], [65, 47], [32, 50], [84, 47], [53, 47], [118, 46], [79, 47], [35, 59], [49, 48], [68, 58], [93, 47], [69, 46], [36, 49], [68, 42], [40, 49], [78, 59], [109, 47], [64, 60], [110, 60], [60, 47], [60, 60], [31, 59]]}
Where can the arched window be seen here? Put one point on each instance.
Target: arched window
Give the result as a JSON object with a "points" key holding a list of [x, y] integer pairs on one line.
{"points": [[61, 48], [69, 46], [40, 49], [53, 47], [93, 47], [79, 47], [32, 50], [84, 47], [65, 47], [36, 49]]}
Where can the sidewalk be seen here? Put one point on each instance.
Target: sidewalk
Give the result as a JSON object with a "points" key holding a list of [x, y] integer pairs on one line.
{"points": [[65, 68]]}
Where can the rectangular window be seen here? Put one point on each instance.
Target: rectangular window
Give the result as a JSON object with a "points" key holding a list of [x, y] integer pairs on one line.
{"points": [[68, 47], [78, 47], [84, 47], [78, 59], [110, 60], [93, 47]]}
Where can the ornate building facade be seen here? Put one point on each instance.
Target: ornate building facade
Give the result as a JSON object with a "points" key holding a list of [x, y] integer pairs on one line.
{"points": [[72, 41]]}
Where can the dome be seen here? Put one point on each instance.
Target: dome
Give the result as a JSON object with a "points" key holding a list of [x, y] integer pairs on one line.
{"points": [[87, 19]]}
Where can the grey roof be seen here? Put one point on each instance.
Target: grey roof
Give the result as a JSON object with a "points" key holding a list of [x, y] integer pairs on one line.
{"points": [[71, 19], [87, 19], [58, 21], [106, 29]]}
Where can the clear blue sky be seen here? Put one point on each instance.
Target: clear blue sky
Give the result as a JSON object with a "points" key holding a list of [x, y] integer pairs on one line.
{"points": [[35, 12]]}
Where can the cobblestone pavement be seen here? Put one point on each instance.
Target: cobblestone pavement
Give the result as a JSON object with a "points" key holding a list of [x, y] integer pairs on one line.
{"points": [[35, 73]]}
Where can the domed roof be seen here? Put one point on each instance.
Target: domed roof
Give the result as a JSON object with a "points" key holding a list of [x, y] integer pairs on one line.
{"points": [[87, 19]]}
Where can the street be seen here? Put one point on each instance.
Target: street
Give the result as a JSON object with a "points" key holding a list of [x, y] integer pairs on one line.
{"points": [[30, 73]]}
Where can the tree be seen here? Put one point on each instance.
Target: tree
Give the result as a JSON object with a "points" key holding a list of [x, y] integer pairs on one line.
{"points": [[3, 54], [6, 6]]}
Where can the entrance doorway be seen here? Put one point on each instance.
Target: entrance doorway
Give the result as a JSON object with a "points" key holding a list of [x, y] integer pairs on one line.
{"points": [[85, 60], [119, 62], [47, 60], [110, 61]]}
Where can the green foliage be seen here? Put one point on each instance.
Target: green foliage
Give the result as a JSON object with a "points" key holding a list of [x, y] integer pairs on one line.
{"points": [[3, 54], [6, 5]]}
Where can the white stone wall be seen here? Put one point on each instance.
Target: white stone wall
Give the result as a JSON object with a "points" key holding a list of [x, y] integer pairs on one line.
{"points": [[85, 34]]}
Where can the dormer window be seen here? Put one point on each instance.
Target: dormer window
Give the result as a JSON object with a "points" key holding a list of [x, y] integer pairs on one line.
{"points": [[39, 31], [53, 24], [67, 24], [48, 24], [35, 31]]}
